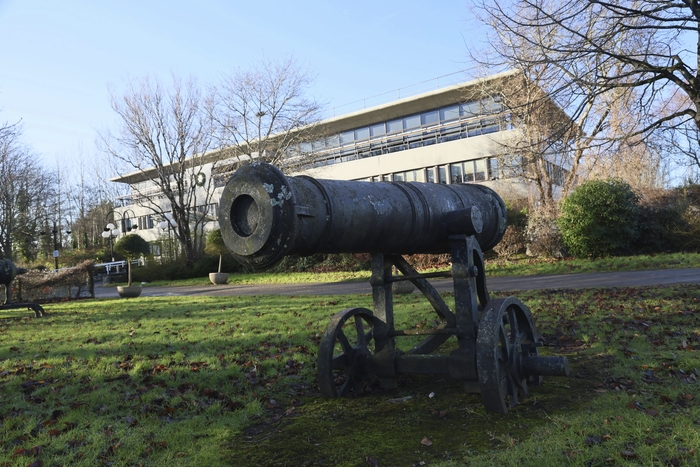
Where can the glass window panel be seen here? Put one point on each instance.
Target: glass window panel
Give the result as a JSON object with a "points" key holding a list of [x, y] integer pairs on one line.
{"points": [[377, 130], [420, 175], [431, 175], [386, 178], [493, 168], [455, 173], [468, 168], [394, 126], [399, 177], [449, 113], [411, 122], [347, 137], [480, 171], [442, 175], [490, 106], [305, 147], [430, 118], [333, 141], [362, 133], [470, 109], [318, 145]]}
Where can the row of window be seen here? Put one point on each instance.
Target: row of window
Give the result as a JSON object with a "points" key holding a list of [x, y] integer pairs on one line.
{"points": [[475, 170], [442, 134], [409, 124]]}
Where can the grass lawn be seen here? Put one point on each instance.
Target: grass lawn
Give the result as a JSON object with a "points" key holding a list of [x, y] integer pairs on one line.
{"points": [[231, 381]]}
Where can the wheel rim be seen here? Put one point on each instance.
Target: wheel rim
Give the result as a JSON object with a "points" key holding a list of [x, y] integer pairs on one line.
{"points": [[345, 353], [506, 333]]}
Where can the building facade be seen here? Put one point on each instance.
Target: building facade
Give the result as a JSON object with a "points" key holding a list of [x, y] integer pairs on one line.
{"points": [[435, 137]]}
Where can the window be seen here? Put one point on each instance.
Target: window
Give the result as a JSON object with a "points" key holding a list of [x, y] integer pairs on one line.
{"points": [[449, 113], [480, 170], [470, 109], [430, 118], [430, 175], [333, 141], [347, 137], [399, 177], [455, 173], [411, 122], [468, 168], [442, 175], [493, 168], [394, 126], [377, 130], [362, 133]]}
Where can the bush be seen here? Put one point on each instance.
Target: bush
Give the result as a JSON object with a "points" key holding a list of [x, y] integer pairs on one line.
{"points": [[543, 234], [599, 218], [513, 241]]}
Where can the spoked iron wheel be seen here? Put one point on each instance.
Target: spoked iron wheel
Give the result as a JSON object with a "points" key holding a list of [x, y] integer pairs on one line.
{"points": [[506, 335], [345, 353]]}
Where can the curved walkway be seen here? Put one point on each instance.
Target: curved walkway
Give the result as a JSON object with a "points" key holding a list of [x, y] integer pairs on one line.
{"points": [[568, 281]]}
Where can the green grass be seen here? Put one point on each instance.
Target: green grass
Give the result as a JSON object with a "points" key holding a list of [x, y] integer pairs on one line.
{"points": [[520, 266], [523, 266], [222, 381]]}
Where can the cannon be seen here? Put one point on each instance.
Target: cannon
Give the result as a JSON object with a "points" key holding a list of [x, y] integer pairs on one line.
{"points": [[8, 272], [265, 215]]}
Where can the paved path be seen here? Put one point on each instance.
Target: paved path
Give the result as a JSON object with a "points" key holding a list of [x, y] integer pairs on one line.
{"points": [[568, 281]]}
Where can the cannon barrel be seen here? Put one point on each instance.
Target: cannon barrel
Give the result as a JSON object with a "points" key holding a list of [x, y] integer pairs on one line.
{"points": [[265, 215], [8, 271]]}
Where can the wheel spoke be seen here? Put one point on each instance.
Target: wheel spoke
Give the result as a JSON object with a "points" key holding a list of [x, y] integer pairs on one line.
{"points": [[344, 342], [360, 328]]}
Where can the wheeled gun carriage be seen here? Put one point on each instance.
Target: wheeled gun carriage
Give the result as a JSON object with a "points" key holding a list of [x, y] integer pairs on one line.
{"points": [[8, 271], [265, 215]]}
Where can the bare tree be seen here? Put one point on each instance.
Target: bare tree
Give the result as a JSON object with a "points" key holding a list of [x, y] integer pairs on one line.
{"points": [[641, 49], [24, 187], [263, 113], [163, 140]]}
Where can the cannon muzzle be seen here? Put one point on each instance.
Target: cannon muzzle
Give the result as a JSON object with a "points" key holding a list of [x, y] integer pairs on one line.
{"points": [[265, 215]]}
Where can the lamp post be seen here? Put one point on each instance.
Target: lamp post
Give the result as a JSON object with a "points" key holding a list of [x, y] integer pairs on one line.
{"points": [[110, 232], [54, 232]]}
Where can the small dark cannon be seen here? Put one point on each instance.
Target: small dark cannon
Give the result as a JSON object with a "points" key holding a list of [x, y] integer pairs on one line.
{"points": [[8, 272], [265, 216]]}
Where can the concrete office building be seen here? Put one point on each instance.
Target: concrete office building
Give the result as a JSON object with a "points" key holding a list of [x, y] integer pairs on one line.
{"points": [[437, 136]]}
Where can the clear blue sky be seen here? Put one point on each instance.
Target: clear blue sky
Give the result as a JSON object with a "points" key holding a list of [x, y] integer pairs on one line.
{"points": [[58, 58]]}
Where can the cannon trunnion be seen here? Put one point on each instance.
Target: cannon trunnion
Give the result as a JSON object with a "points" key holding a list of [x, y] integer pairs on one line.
{"points": [[265, 216]]}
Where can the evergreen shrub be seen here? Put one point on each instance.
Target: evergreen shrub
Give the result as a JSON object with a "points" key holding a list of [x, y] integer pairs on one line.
{"points": [[600, 218]]}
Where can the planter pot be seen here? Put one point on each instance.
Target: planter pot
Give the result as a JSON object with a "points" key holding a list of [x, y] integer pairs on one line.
{"points": [[126, 291], [218, 278]]}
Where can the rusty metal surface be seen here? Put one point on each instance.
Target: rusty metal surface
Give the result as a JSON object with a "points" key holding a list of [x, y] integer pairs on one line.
{"points": [[265, 215]]}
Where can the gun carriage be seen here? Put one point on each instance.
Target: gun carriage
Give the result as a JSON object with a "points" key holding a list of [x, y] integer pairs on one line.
{"points": [[8, 272], [265, 216]]}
